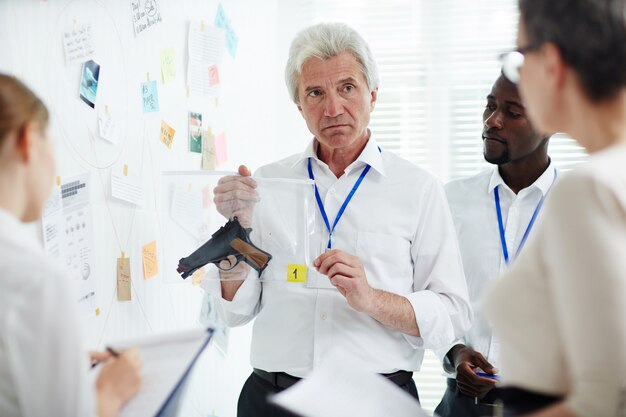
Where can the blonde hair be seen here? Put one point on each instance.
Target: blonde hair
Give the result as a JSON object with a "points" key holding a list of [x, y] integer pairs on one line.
{"points": [[18, 106]]}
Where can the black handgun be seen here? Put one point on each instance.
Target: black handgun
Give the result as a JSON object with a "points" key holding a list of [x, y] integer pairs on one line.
{"points": [[230, 239]]}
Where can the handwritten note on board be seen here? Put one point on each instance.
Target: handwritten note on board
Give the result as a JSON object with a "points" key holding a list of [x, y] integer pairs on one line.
{"points": [[146, 13], [214, 76], [127, 188], [206, 48], [167, 134], [168, 70], [208, 150], [149, 260], [78, 44], [106, 127], [149, 97], [123, 279]]}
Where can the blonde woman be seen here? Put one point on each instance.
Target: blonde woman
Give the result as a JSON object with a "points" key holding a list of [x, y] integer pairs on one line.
{"points": [[43, 369]]}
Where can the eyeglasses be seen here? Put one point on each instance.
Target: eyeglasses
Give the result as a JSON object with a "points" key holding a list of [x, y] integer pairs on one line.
{"points": [[512, 62]]}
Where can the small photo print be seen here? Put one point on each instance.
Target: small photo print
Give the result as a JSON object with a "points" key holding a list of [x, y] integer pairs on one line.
{"points": [[195, 132], [89, 82]]}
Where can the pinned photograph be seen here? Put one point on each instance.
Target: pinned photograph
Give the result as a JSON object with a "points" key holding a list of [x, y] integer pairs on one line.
{"points": [[195, 132], [89, 82]]}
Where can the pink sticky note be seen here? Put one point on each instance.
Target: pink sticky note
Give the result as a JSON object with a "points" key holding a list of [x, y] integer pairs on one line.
{"points": [[206, 197], [220, 149], [214, 76]]}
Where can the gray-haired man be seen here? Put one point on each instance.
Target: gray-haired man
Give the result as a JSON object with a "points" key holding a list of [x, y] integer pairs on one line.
{"points": [[390, 282]]}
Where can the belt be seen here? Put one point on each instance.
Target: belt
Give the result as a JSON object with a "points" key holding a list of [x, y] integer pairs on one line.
{"points": [[284, 380], [519, 401]]}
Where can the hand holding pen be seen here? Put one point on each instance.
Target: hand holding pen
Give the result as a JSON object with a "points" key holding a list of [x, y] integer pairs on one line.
{"points": [[490, 376], [475, 376], [98, 357], [119, 378]]}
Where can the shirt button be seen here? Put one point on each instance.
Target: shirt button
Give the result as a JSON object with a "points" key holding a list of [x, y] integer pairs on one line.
{"points": [[323, 316], [331, 190]]}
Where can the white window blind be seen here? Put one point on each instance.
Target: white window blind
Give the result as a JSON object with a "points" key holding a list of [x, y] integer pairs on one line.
{"points": [[437, 60], [398, 122], [463, 40]]}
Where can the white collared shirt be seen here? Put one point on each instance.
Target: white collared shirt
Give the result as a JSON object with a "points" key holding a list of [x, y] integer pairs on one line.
{"points": [[474, 213], [399, 225], [43, 368]]}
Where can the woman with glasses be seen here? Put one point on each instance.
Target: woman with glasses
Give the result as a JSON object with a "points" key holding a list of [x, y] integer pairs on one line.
{"points": [[43, 370], [560, 311]]}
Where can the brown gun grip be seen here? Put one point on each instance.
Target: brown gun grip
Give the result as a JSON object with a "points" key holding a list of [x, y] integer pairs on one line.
{"points": [[255, 256]]}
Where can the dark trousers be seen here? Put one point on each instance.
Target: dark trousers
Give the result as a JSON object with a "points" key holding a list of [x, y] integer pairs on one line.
{"points": [[253, 398], [456, 404]]}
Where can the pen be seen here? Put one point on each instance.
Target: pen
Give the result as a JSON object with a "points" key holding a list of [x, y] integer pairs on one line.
{"points": [[109, 349], [113, 352], [486, 375]]}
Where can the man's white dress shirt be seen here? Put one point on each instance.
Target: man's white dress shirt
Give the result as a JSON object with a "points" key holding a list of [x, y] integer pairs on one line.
{"points": [[398, 224], [43, 367], [560, 310], [474, 213]]}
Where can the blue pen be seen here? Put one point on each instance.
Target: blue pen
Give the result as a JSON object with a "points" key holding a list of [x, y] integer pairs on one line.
{"points": [[486, 375]]}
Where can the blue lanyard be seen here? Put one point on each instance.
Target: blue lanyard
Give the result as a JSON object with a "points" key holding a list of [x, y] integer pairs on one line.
{"points": [[343, 206], [505, 250]]}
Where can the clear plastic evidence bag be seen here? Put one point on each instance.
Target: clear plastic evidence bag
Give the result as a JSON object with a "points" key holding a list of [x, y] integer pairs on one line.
{"points": [[239, 234]]}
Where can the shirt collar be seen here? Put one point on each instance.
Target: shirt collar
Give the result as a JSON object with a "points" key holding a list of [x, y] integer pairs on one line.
{"points": [[371, 155], [543, 183]]}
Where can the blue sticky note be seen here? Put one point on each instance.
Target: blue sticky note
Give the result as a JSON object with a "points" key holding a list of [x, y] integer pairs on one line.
{"points": [[149, 97], [221, 21], [231, 41], [220, 17]]}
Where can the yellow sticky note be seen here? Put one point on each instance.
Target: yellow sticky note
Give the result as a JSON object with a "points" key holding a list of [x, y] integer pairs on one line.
{"points": [[167, 134], [58, 181], [296, 273], [149, 260], [97, 312], [196, 277], [125, 170], [168, 70]]}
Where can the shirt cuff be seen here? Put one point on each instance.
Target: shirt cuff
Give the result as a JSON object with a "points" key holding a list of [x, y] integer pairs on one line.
{"points": [[244, 301], [432, 319], [442, 354]]}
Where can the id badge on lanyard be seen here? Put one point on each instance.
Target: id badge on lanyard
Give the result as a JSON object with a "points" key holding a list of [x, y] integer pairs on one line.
{"points": [[315, 279]]}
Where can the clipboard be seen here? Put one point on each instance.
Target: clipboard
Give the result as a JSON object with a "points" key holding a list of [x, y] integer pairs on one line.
{"points": [[167, 363]]}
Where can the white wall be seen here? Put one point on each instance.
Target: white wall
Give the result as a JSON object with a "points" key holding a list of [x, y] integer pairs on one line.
{"points": [[253, 109]]}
